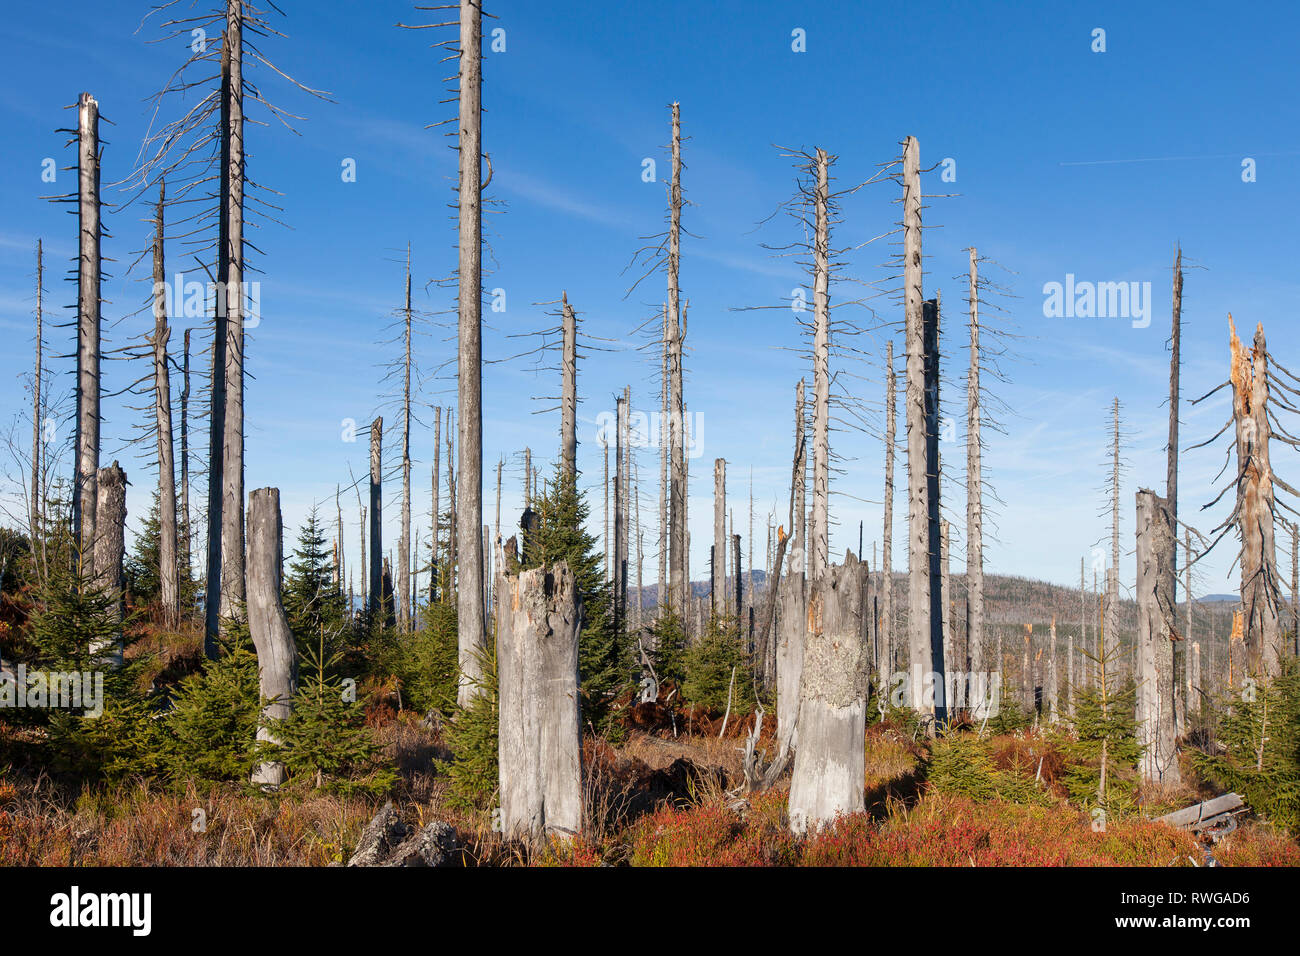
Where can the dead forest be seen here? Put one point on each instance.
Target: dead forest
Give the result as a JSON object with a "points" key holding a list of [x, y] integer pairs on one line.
{"points": [[560, 685]]}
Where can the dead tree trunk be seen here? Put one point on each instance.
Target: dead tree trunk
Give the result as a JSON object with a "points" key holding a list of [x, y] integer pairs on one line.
{"points": [[232, 513], [820, 551], [109, 550], [1255, 509], [792, 594], [887, 545], [436, 589], [217, 394], [84, 492], [938, 612], [663, 432], [569, 396], [918, 557], [829, 764], [277, 656], [187, 550], [1170, 561], [168, 572], [1110, 619], [945, 609], [1053, 688], [974, 485], [679, 582], [377, 610], [1156, 686], [36, 503], [620, 526], [539, 619], [472, 636], [718, 586], [404, 546]]}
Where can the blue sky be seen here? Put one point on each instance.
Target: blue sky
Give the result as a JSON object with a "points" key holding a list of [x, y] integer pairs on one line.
{"points": [[1067, 161]]}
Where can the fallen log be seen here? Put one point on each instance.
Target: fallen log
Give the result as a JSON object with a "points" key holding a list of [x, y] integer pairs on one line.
{"points": [[1207, 814]]}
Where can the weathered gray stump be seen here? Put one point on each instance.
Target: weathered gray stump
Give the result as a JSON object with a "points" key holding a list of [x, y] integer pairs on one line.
{"points": [[829, 764], [1156, 685], [110, 548], [539, 617], [277, 656]]}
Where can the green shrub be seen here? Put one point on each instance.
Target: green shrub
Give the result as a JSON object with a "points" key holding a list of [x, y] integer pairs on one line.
{"points": [[710, 665]]}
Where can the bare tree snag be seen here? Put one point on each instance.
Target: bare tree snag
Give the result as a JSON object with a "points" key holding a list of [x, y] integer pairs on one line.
{"points": [[404, 545], [679, 581], [277, 655], [1170, 563], [89, 231], [792, 593], [187, 549], [1110, 618], [620, 512], [934, 547], [435, 584], [109, 551], [232, 513], [820, 552], [377, 611], [886, 569], [718, 586], [1260, 595], [945, 608], [36, 501], [471, 623], [539, 619], [974, 484], [1053, 688], [569, 397], [918, 557], [1156, 687], [168, 571], [663, 432], [829, 764]]}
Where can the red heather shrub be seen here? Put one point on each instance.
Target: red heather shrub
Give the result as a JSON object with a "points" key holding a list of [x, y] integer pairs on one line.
{"points": [[1257, 846]]}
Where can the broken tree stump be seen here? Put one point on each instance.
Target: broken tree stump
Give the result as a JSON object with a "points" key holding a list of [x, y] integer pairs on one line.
{"points": [[539, 618], [109, 551], [1156, 684], [829, 763], [277, 655]]}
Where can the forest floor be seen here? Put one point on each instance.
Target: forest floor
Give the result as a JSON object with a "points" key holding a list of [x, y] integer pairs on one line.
{"points": [[654, 799]]}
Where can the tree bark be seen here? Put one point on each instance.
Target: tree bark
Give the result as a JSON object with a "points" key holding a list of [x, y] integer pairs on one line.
{"points": [[1156, 686], [84, 492], [472, 635], [792, 594], [829, 764], [938, 611], [620, 518], [376, 512], [539, 619], [109, 551], [168, 573], [277, 655]]}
